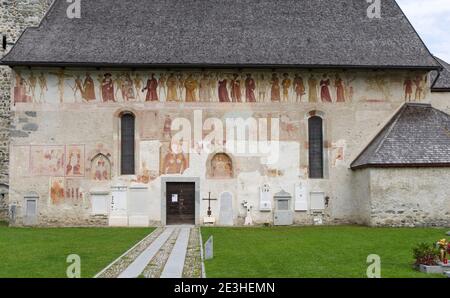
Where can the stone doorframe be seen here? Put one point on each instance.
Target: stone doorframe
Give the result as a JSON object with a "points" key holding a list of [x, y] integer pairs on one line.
{"points": [[164, 181]]}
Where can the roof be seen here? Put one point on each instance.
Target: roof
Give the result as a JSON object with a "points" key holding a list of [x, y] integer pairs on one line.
{"points": [[417, 136], [266, 33], [441, 82]]}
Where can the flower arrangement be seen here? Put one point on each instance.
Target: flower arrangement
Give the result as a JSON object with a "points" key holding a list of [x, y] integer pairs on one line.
{"points": [[425, 254]]}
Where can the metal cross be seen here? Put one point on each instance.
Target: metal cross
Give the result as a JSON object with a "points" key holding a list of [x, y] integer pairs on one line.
{"points": [[209, 199]]}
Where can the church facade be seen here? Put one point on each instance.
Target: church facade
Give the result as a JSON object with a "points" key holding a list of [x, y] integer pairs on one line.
{"points": [[134, 129]]}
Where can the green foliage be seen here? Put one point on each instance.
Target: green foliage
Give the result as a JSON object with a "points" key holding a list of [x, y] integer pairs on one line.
{"points": [[42, 253], [314, 252], [425, 254]]}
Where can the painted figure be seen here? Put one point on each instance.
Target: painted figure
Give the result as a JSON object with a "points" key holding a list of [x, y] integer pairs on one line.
{"points": [[299, 88], [172, 93], [262, 88], [42, 81], [73, 167], [88, 88], [127, 88], [190, 84], [223, 91], [32, 82], [325, 94], [312, 86], [174, 163], [180, 86], [77, 88], [57, 191], [221, 166], [286, 83], [204, 90], [213, 88], [419, 88], [20, 89], [340, 91], [152, 89], [138, 84], [162, 86], [102, 170], [107, 88], [236, 88], [408, 86], [275, 89], [250, 87]]}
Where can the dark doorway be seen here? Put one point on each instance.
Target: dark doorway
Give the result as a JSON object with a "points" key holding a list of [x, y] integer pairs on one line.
{"points": [[180, 203]]}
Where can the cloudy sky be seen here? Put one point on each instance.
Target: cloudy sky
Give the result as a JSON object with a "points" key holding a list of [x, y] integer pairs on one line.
{"points": [[431, 18]]}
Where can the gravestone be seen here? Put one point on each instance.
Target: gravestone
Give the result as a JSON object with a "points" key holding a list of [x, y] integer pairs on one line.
{"points": [[226, 209], [209, 249], [448, 233]]}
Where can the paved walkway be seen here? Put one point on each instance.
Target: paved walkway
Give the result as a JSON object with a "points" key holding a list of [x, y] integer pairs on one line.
{"points": [[173, 263]]}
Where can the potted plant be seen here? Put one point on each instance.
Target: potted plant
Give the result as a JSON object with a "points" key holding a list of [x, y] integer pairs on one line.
{"points": [[427, 256]]}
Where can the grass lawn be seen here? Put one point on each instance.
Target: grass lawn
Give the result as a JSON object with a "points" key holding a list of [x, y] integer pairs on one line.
{"points": [[314, 251], [42, 252]]}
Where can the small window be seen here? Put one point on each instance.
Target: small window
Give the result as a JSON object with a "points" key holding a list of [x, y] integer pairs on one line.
{"points": [[127, 144], [315, 132]]}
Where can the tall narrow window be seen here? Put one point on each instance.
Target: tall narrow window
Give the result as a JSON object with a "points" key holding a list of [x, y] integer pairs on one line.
{"points": [[315, 127], [127, 144]]}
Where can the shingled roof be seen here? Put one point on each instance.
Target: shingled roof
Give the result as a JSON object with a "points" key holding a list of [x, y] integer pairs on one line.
{"points": [[417, 136], [266, 33], [441, 82]]}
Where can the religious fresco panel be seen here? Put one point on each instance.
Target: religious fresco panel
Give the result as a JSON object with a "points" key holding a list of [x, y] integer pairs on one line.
{"points": [[224, 86]]}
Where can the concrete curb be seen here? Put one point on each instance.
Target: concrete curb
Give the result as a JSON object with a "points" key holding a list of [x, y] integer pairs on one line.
{"points": [[201, 252], [125, 253]]}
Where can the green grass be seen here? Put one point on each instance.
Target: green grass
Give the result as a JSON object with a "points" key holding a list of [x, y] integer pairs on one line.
{"points": [[315, 252], [33, 253]]}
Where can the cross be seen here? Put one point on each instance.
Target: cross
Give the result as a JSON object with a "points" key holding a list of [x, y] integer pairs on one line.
{"points": [[209, 199]]}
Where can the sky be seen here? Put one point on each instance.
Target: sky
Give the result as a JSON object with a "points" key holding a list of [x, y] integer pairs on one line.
{"points": [[431, 19]]}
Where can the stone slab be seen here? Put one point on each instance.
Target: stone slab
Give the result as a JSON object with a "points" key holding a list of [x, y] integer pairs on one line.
{"points": [[138, 266], [175, 263], [431, 269]]}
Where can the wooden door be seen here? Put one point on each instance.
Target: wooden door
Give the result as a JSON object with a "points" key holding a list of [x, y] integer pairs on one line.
{"points": [[180, 203]]}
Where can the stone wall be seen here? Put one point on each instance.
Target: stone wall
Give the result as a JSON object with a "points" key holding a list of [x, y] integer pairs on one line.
{"points": [[15, 16], [441, 101], [63, 118], [409, 197]]}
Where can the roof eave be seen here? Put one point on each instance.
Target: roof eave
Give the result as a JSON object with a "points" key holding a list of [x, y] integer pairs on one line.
{"points": [[401, 165], [13, 63]]}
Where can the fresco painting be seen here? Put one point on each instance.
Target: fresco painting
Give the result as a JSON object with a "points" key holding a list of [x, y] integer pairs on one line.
{"points": [[73, 191], [47, 160], [57, 190], [100, 168], [172, 159], [75, 160], [66, 86]]}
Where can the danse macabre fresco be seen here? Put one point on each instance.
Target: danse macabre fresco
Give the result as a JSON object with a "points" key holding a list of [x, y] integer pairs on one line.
{"points": [[66, 86]]}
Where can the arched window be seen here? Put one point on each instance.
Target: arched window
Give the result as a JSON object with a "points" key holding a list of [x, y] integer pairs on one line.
{"points": [[127, 128], [315, 132]]}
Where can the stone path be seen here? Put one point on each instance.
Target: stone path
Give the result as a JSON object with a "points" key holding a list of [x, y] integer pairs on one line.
{"points": [[175, 264], [171, 252]]}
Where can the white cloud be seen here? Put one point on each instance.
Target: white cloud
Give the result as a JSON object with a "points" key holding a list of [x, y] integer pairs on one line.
{"points": [[431, 19]]}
